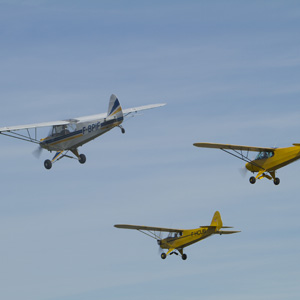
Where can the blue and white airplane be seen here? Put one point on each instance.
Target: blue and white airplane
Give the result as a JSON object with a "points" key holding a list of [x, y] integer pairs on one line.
{"points": [[68, 135]]}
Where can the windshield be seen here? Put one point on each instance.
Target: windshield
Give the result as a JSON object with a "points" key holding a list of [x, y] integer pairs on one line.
{"points": [[264, 154]]}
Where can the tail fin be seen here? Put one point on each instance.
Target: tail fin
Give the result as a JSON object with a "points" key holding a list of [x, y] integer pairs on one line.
{"points": [[217, 221], [114, 107]]}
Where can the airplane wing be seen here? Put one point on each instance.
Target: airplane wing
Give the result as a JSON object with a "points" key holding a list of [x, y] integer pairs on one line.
{"points": [[148, 228], [128, 111], [30, 126], [232, 147]]}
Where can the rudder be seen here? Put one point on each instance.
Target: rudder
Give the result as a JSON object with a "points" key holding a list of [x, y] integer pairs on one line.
{"points": [[114, 107], [216, 220]]}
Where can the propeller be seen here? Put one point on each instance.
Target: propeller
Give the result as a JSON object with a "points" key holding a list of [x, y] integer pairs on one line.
{"points": [[37, 152], [243, 171], [159, 238], [160, 250]]}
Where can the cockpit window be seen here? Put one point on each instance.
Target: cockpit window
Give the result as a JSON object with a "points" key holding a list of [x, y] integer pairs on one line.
{"points": [[173, 235], [63, 129], [264, 155]]}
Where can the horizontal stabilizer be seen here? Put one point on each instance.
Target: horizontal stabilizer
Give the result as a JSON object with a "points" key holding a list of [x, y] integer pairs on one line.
{"points": [[141, 108], [226, 232]]}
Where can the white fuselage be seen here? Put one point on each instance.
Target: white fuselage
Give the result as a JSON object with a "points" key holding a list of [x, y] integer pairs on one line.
{"points": [[78, 133]]}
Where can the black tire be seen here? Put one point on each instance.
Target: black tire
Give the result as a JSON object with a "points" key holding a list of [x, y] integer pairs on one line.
{"points": [[184, 256], [163, 255], [48, 164], [276, 181], [252, 180], [82, 158], [122, 130]]}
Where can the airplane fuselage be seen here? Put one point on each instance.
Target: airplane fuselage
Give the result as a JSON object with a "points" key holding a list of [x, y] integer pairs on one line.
{"points": [[281, 158], [79, 133], [187, 238]]}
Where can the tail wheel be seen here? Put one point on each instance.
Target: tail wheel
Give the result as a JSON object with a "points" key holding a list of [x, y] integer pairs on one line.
{"points": [[48, 164], [184, 256], [276, 181], [82, 158], [163, 255], [252, 180]]}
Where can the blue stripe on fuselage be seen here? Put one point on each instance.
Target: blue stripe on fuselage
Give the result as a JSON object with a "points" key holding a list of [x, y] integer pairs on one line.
{"points": [[62, 137]]}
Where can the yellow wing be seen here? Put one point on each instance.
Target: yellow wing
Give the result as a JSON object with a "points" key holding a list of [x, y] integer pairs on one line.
{"points": [[232, 147], [148, 228]]}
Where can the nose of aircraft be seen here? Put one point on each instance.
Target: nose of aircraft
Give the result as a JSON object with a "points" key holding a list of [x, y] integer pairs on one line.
{"points": [[248, 166]]}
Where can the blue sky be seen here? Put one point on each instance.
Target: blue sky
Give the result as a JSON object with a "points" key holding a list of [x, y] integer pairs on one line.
{"points": [[229, 72]]}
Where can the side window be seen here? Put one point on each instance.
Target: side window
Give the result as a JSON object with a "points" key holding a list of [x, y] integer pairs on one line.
{"points": [[71, 127]]}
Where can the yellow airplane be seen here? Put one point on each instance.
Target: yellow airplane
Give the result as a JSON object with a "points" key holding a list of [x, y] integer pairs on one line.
{"points": [[267, 161], [181, 238]]}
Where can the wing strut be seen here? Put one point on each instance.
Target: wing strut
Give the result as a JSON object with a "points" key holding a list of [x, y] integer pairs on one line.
{"points": [[150, 234], [21, 137], [242, 157]]}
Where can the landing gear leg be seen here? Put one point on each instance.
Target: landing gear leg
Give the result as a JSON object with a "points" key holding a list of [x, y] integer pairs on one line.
{"points": [[183, 255], [81, 157], [122, 129], [276, 180]]}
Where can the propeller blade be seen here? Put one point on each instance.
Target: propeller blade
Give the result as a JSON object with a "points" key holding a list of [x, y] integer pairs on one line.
{"points": [[37, 152], [243, 171], [160, 250]]}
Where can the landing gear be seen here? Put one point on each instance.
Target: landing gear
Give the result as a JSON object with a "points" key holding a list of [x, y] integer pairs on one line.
{"points": [[184, 256], [276, 181], [48, 164], [252, 180], [82, 158], [122, 129], [163, 255]]}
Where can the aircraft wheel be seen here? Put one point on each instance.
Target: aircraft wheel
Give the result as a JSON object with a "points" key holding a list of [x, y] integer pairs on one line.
{"points": [[122, 130], [276, 181], [184, 256], [252, 180], [82, 158], [163, 255], [48, 164]]}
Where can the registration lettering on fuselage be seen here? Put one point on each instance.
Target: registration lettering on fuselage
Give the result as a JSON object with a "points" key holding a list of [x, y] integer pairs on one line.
{"points": [[90, 128], [198, 232]]}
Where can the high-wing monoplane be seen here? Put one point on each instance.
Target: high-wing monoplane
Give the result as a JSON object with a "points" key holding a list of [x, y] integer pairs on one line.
{"points": [[267, 161], [68, 135], [178, 239]]}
